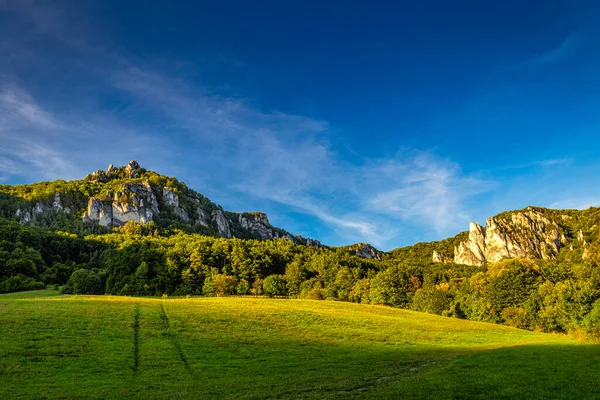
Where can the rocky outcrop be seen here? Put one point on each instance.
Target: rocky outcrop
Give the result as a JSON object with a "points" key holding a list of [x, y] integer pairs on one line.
{"points": [[258, 224], [440, 258], [57, 204], [202, 218], [310, 242], [368, 251], [133, 169], [133, 202], [221, 223], [172, 199], [526, 234]]}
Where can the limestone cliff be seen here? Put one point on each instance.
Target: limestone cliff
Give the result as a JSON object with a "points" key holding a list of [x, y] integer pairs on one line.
{"points": [[132, 202], [257, 223], [526, 234], [117, 195]]}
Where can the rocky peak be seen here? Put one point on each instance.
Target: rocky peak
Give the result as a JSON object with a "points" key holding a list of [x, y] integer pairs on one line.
{"points": [[132, 202], [365, 250], [133, 169], [258, 224], [527, 234]]}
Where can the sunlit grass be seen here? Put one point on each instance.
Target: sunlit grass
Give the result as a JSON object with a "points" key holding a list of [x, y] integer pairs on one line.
{"points": [[117, 347]]}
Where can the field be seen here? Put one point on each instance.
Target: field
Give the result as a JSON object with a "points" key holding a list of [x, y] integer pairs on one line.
{"points": [[121, 347]]}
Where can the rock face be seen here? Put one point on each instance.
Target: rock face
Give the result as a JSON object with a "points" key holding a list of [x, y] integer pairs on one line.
{"points": [[368, 251], [56, 204], [525, 234], [222, 224], [258, 224], [133, 169], [202, 218], [440, 258], [123, 194], [133, 202], [172, 199]]}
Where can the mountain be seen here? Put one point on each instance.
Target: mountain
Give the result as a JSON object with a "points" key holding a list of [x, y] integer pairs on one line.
{"points": [[130, 231], [112, 198]]}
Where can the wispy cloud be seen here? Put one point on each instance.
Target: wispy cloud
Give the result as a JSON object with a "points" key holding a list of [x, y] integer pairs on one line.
{"points": [[567, 48], [287, 159], [175, 125], [578, 203], [541, 163]]}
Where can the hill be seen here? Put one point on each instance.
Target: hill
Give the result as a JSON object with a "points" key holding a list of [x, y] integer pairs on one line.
{"points": [[247, 348], [129, 231], [112, 198]]}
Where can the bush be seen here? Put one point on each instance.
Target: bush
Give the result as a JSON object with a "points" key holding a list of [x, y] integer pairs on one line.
{"points": [[391, 287], [517, 317], [243, 287], [83, 281], [274, 285], [432, 301], [220, 285], [20, 283], [591, 322]]}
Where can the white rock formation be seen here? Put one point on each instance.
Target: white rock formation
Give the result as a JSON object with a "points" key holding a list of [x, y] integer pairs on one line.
{"points": [[140, 207], [525, 234], [56, 204], [257, 223], [172, 199], [222, 224]]}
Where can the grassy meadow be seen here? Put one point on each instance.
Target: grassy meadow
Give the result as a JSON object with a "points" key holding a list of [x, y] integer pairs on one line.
{"points": [[80, 347]]}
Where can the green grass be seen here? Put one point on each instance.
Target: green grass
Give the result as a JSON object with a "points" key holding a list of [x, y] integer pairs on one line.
{"points": [[29, 294], [114, 347]]}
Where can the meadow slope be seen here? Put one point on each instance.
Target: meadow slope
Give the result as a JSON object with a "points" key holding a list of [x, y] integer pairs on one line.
{"points": [[253, 348]]}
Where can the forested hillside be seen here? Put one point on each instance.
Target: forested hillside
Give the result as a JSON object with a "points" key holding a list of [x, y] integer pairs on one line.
{"points": [[48, 236]]}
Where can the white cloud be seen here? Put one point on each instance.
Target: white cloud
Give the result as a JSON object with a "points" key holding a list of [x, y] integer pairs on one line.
{"points": [[541, 163], [287, 159]]}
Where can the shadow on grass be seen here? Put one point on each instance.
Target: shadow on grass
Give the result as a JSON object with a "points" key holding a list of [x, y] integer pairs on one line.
{"points": [[522, 372]]}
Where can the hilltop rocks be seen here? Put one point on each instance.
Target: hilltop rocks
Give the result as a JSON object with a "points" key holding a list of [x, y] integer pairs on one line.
{"points": [[525, 234], [133, 169], [172, 199], [258, 224], [368, 251], [222, 224], [134, 202]]}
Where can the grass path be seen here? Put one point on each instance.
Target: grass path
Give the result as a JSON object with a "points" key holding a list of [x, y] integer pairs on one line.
{"points": [[245, 348]]}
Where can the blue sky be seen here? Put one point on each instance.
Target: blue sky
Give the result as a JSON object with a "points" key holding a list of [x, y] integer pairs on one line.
{"points": [[385, 122]]}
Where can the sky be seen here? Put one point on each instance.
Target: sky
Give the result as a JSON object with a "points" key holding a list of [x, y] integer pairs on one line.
{"points": [[377, 121]]}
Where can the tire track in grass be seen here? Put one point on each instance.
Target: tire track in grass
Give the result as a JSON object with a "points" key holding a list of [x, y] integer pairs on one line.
{"points": [[136, 338], [173, 338]]}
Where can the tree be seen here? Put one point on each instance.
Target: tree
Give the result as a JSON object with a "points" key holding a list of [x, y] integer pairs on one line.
{"points": [[275, 285]]}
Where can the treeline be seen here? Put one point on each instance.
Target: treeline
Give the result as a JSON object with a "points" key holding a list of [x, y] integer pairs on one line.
{"points": [[553, 296]]}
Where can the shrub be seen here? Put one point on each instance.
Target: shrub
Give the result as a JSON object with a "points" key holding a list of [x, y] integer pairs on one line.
{"points": [[219, 285], [274, 285], [20, 283], [432, 301], [591, 322], [517, 317], [83, 281], [243, 287]]}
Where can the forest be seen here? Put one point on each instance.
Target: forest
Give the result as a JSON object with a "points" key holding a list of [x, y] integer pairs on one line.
{"points": [[561, 295]]}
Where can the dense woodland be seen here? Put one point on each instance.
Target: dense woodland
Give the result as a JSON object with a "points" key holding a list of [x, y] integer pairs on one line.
{"points": [[168, 256], [562, 295]]}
